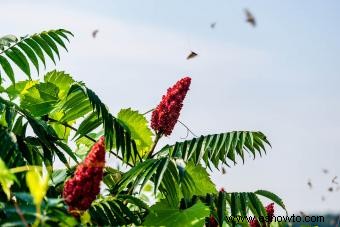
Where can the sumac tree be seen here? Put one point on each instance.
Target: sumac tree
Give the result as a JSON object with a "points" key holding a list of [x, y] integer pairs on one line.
{"points": [[57, 119]]}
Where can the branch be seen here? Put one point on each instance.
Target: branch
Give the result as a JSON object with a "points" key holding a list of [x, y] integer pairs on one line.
{"points": [[19, 212], [147, 112], [177, 120], [187, 128], [69, 126], [13, 45], [158, 136]]}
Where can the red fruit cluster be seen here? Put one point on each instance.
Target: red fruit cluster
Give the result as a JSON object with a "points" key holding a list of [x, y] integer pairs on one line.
{"points": [[84, 186], [166, 114], [270, 215]]}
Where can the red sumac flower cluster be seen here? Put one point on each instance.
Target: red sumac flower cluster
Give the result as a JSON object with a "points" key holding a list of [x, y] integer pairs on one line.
{"points": [[84, 186], [166, 114]]}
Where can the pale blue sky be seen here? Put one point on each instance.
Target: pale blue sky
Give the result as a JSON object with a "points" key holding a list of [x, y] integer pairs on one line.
{"points": [[281, 78]]}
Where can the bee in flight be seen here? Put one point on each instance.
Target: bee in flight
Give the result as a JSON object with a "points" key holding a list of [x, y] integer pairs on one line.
{"points": [[94, 33], [250, 18], [191, 55]]}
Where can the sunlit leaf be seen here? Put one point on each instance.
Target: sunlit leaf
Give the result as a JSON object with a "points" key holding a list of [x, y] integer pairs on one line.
{"points": [[137, 124], [20, 88], [37, 185], [202, 182], [6, 179], [40, 99], [163, 215], [62, 80]]}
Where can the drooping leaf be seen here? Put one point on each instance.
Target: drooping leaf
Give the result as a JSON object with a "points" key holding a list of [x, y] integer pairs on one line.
{"points": [[19, 59], [117, 211], [272, 197], [7, 68], [56, 38], [30, 54], [50, 42], [218, 148], [37, 49], [44, 45], [256, 205]]}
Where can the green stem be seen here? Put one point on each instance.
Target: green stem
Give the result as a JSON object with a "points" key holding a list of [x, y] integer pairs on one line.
{"points": [[158, 136], [38, 219], [147, 112], [23, 168], [69, 126]]}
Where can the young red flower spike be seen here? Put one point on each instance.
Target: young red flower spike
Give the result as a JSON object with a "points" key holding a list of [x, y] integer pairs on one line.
{"points": [[84, 186], [270, 211], [254, 223], [212, 222], [269, 218], [166, 114]]}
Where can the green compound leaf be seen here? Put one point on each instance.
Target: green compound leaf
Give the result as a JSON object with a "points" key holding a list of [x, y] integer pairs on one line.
{"points": [[19, 59], [137, 124]]}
